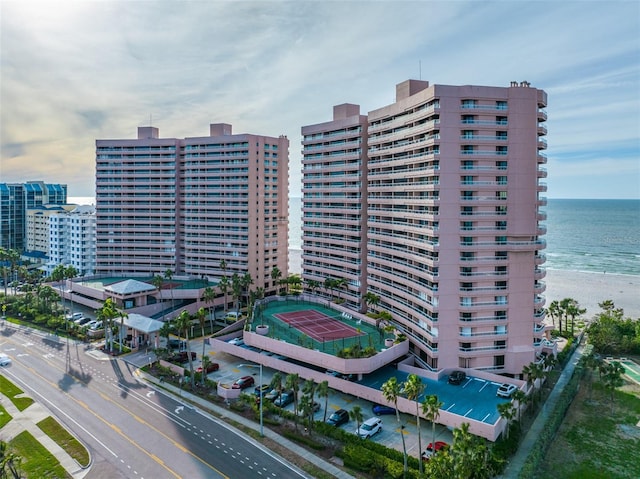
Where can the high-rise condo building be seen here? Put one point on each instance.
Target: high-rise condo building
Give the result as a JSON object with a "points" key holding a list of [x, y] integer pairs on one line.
{"points": [[15, 200], [206, 206], [432, 206]]}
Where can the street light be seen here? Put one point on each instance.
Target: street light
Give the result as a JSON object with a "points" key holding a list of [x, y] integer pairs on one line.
{"points": [[261, 398]]}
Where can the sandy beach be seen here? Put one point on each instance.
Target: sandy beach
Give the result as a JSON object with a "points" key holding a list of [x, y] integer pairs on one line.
{"points": [[588, 289]]}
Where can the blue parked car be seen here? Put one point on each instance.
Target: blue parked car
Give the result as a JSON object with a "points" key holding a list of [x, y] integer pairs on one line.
{"points": [[380, 410]]}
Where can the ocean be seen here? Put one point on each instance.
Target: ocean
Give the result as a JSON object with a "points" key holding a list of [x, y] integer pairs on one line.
{"points": [[582, 235]]}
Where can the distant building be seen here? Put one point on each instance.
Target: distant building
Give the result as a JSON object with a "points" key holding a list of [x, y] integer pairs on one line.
{"points": [[432, 204], [202, 207], [63, 234], [15, 200]]}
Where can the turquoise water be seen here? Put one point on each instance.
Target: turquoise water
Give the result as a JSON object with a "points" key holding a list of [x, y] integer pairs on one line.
{"points": [[582, 235]]}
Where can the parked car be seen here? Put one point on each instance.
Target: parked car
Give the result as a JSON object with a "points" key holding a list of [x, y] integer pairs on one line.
{"points": [[243, 383], [4, 360], [457, 377], [430, 451], [211, 367], [284, 399], [315, 407], [95, 325], [370, 427], [182, 357], [272, 395], [341, 416], [178, 344], [506, 390], [74, 316], [236, 341], [379, 410], [261, 390], [82, 321]]}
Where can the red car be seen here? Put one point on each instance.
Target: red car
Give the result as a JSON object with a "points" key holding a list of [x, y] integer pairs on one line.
{"points": [[211, 367], [426, 455], [243, 383]]}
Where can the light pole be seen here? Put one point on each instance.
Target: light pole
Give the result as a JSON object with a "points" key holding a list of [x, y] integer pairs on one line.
{"points": [[261, 394]]}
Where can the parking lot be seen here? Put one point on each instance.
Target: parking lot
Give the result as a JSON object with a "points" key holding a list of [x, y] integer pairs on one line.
{"points": [[233, 367]]}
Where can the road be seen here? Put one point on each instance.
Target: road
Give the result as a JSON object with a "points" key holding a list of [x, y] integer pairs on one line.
{"points": [[131, 428]]}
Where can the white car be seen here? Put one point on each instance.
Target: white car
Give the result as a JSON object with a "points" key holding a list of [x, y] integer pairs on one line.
{"points": [[74, 316], [370, 427], [506, 390], [4, 360], [236, 341]]}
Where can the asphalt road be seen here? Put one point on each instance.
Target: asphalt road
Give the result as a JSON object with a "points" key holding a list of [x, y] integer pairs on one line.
{"points": [[130, 428]]}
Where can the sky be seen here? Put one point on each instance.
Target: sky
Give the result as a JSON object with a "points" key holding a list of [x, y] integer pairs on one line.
{"points": [[72, 72]]}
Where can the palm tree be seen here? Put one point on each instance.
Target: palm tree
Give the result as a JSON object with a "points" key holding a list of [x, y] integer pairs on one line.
{"points": [[157, 281], [9, 460], [165, 331], [292, 383], [168, 275], [329, 285], [122, 315], [224, 288], [306, 409], [276, 274], [391, 390], [323, 392], [341, 284], [245, 281], [431, 410], [223, 267], [276, 382], [209, 297], [202, 318], [612, 378], [107, 314], [508, 412], [371, 299], [236, 291], [183, 323], [313, 285], [519, 396], [294, 281], [554, 311], [413, 387], [356, 415], [309, 391]]}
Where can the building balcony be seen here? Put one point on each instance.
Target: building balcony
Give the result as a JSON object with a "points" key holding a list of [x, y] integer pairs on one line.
{"points": [[542, 130]]}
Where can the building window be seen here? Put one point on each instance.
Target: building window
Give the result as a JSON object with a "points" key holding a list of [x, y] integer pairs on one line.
{"points": [[501, 105], [498, 361]]}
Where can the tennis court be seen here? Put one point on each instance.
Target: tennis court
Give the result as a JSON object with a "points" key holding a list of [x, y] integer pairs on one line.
{"points": [[317, 325], [631, 368]]}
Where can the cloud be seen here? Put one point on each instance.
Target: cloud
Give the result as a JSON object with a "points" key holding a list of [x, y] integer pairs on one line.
{"points": [[72, 72]]}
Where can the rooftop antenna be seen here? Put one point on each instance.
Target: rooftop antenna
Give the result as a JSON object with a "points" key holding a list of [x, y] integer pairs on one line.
{"points": [[150, 119]]}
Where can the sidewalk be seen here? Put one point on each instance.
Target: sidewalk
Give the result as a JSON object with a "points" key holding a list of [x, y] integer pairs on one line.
{"points": [[27, 421], [224, 412], [517, 461]]}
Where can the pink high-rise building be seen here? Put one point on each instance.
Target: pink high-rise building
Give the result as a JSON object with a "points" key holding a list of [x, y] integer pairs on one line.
{"points": [[432, 204], [200, 207]]}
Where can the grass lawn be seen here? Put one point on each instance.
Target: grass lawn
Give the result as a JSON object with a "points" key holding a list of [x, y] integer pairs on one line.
{"points": [[36, 462], [66, 441], [4, 417], [11, 391], [595, 441]]}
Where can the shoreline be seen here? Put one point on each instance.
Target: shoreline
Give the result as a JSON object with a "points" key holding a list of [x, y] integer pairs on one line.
{"points": [[588, 288]]}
